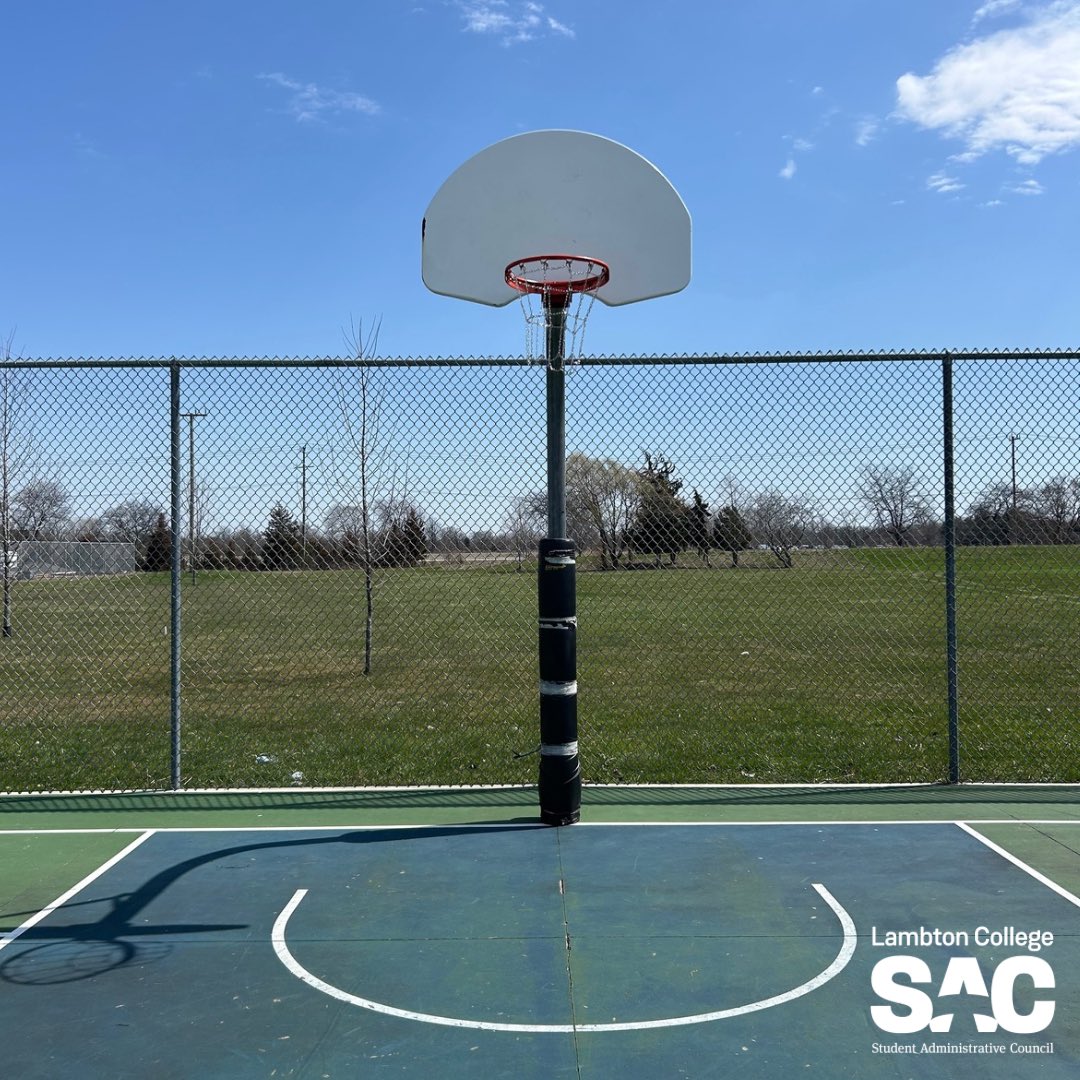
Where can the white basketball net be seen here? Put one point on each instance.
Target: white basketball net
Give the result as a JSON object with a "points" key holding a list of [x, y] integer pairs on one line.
{"points": [[579, 303]]}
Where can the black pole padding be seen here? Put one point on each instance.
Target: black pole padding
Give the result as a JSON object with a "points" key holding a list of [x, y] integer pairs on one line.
{"points": [[557, 586], [560, 766]]}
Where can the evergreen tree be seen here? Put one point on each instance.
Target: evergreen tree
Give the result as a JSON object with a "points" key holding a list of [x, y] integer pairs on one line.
{"points": [[414, 540], [660, 526], [698, 522], [405, 543], [281, 541], [157, 555], [731, 533]]}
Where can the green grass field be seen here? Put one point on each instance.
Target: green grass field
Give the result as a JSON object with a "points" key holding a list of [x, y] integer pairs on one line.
{"points": [[833, 670]]}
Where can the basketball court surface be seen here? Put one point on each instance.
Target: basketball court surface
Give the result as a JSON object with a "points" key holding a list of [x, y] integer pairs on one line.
{"points": [[674, 932]]}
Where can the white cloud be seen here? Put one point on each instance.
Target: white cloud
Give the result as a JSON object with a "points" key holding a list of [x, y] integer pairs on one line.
{"points": [[802, 145], [511, 23], [788, 171], [1017, 90], [487, 18], [992, 8], [1027, 187], [309, 102], [943, 184], [866, 129], [991, 203]]}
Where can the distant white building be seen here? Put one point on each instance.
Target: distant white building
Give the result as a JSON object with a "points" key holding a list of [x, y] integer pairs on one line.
{"points": [[72, 558]]}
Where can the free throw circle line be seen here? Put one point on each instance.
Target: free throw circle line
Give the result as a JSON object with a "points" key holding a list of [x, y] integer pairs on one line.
{"points": [[847, 950]]}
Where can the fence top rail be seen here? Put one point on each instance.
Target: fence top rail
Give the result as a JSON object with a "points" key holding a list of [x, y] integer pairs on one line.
{"points": [[906, 355]]}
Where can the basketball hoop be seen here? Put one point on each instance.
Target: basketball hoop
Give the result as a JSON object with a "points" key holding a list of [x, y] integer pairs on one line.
{"points": [[557, 276], [561, 191], [566, 286]]}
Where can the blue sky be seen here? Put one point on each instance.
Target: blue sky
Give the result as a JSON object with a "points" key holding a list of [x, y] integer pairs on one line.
{"points": [[216, 179]]}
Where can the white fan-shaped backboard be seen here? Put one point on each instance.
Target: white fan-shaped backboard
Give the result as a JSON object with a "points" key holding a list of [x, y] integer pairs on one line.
{"points": [[556, 193]]}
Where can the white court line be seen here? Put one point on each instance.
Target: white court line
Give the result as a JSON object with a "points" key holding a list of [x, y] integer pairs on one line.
{"points": [[1041, 878], [7, 938], [847, 950], [815, 823]]}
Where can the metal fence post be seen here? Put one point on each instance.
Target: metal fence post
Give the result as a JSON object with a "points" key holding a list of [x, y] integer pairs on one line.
{"points": [[950, 567], [174, 573]]}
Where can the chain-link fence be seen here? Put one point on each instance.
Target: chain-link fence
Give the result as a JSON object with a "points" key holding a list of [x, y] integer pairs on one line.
{"points": [[257, 573]]}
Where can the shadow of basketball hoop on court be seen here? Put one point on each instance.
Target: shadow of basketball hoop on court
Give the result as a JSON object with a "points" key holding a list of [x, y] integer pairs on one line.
{"points": [[122, 938], [57, 962]]}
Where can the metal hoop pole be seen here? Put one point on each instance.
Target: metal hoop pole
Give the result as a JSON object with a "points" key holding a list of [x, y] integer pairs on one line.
{"points": [[555, 353], [560, 767]]}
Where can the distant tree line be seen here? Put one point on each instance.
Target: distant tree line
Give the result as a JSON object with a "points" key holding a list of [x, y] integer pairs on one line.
{"points": [[1049, 514], [627, 514], [629, 517], [397, 537]]}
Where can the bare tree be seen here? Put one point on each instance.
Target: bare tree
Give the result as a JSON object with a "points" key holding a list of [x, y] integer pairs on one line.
{"points": [[894, 499], [389, 514], [87, 529], [731, 492], [362, 428], [450, 540], [132, 520], [781, 523], [1000, 515], [39, 510], [1058, 503], [996, 500], [344, 523], [607, 495], [524, 528]]}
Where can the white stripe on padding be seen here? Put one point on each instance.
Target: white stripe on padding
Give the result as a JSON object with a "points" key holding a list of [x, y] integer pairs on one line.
{"points": [[560, 749], [558, 689]]}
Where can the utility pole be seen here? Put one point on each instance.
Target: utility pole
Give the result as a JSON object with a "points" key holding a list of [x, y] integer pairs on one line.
{"points": [[191, 417]]}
